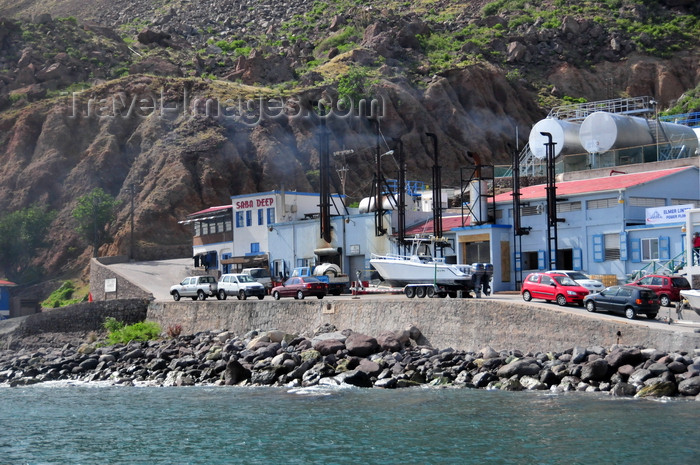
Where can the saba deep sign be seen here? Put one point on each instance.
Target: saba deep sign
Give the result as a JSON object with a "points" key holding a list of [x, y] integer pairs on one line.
{"points": [[671, 214]]}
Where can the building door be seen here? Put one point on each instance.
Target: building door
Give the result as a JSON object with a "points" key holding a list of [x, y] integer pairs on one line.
{"points": [[357, 263]]}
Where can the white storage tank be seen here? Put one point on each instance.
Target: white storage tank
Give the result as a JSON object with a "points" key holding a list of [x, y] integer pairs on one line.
{"points": [[602, 131], [565, 135], [368, 204]]}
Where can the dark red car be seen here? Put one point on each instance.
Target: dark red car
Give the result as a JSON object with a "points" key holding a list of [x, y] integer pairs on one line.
{"points": [[301, 287], [553, 287], [668, 288]]}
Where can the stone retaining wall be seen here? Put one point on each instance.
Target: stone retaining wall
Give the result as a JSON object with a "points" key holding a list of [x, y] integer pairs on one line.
{"points": [[468, 324], [83, 317], [125, 289]]}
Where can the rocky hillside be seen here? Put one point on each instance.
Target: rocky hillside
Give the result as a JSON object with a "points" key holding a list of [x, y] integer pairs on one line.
{"points": [[114, 94]]}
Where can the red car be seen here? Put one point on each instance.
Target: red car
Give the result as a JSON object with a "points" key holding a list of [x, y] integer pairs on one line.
{"points": [[668, 288], [553, 287], [301, 287]]}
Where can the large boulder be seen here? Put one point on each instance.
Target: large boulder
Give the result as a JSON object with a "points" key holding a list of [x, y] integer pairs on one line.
{"points": [[597, 370], [690, 386], [388, 341], [619, 357], [329, 346], [361, 345], [522, 367]]}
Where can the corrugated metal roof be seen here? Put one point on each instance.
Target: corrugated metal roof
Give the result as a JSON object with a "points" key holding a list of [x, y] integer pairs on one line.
{"points": [[447, 224], [209, 210], [588, 186]]}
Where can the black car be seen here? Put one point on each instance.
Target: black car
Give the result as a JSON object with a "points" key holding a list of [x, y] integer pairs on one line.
{"points": [[628, 300]]}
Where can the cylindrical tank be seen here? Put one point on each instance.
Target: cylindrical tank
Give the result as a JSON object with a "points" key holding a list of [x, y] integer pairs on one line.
{"points": [[478, 201], [367, 204], [602, 131], [564, 135]]}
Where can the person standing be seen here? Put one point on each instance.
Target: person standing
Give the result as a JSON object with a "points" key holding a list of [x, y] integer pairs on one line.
{"points": [[696, 248]]}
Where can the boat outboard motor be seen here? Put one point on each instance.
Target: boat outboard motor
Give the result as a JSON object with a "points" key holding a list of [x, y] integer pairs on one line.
{"points": [[478, 276]]}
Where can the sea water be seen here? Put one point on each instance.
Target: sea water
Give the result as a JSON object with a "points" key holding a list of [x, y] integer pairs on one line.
{"points": [[54, 423]]}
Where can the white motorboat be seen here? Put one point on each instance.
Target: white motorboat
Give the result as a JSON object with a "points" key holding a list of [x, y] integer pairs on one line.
{"points": [[400, 270], [693, 298]]}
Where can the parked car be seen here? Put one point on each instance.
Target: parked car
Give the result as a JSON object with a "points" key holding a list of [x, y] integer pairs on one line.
{"points": [[553, 287], [593, 285], [261, 275], [197, 287], [301, 287], [668, 288], [628, 300], [240, 285]]}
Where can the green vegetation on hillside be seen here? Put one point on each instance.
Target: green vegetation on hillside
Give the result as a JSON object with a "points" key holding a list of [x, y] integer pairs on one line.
{"points": [[63, 296], [22, 234], [94, 211]]}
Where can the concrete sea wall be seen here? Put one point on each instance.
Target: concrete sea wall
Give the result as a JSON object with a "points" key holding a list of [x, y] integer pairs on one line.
{"points": [[467, 324]]}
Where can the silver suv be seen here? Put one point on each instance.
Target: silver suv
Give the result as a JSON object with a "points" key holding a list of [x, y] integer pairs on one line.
{"points": [[197, 287], [240, 285]]}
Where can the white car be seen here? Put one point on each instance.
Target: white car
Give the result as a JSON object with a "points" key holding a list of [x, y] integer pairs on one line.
{"points": [[240, 285], [593, 285]]}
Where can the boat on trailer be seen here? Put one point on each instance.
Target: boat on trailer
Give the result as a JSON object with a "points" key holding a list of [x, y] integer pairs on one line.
{"points": [[693, 298], [421, 274]]}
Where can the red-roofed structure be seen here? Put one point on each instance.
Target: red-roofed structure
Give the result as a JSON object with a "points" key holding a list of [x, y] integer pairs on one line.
{"points": [[611, 183], [448, 223]]}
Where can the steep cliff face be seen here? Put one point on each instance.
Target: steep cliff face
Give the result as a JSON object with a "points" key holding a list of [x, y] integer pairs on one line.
{"points": [[167, 138], [180, 161]]}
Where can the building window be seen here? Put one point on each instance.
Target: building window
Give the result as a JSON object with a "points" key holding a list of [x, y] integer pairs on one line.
{"points": [[601, 203], [531, 210], [255, 247], [205, 229], [568, 207], [270, 215], [694, 203], [530, 260], [249, 217], [612, 246], [647, 202], [227, 225], [197, 228], [220, 226], [650, 249], [239, 219], [261, 217]]}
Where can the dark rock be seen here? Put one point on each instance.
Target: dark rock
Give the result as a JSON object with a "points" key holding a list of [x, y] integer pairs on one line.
{"points": [[329, 346], [361, 345], [623, 389], [596, 370], [235, 373], [369, 367], [619, 357], [690, 387], [357, 378], [519, 368], [150, 36], [389, 341]]}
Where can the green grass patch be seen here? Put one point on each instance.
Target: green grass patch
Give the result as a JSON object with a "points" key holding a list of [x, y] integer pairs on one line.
{"points": [[120, 333], [62, 296]]}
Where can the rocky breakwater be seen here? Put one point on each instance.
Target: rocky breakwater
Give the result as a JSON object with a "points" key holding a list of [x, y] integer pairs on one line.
{"points": [[333, 358]]}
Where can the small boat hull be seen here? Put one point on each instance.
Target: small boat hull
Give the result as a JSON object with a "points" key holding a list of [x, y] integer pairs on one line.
{"points": [[693, 298]]}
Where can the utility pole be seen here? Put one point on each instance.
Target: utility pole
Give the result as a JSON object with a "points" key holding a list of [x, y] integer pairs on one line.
{"points": [[131, 238]]}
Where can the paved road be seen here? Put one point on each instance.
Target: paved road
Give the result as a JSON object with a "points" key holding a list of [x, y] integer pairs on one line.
{"points": [[157, 277]]}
